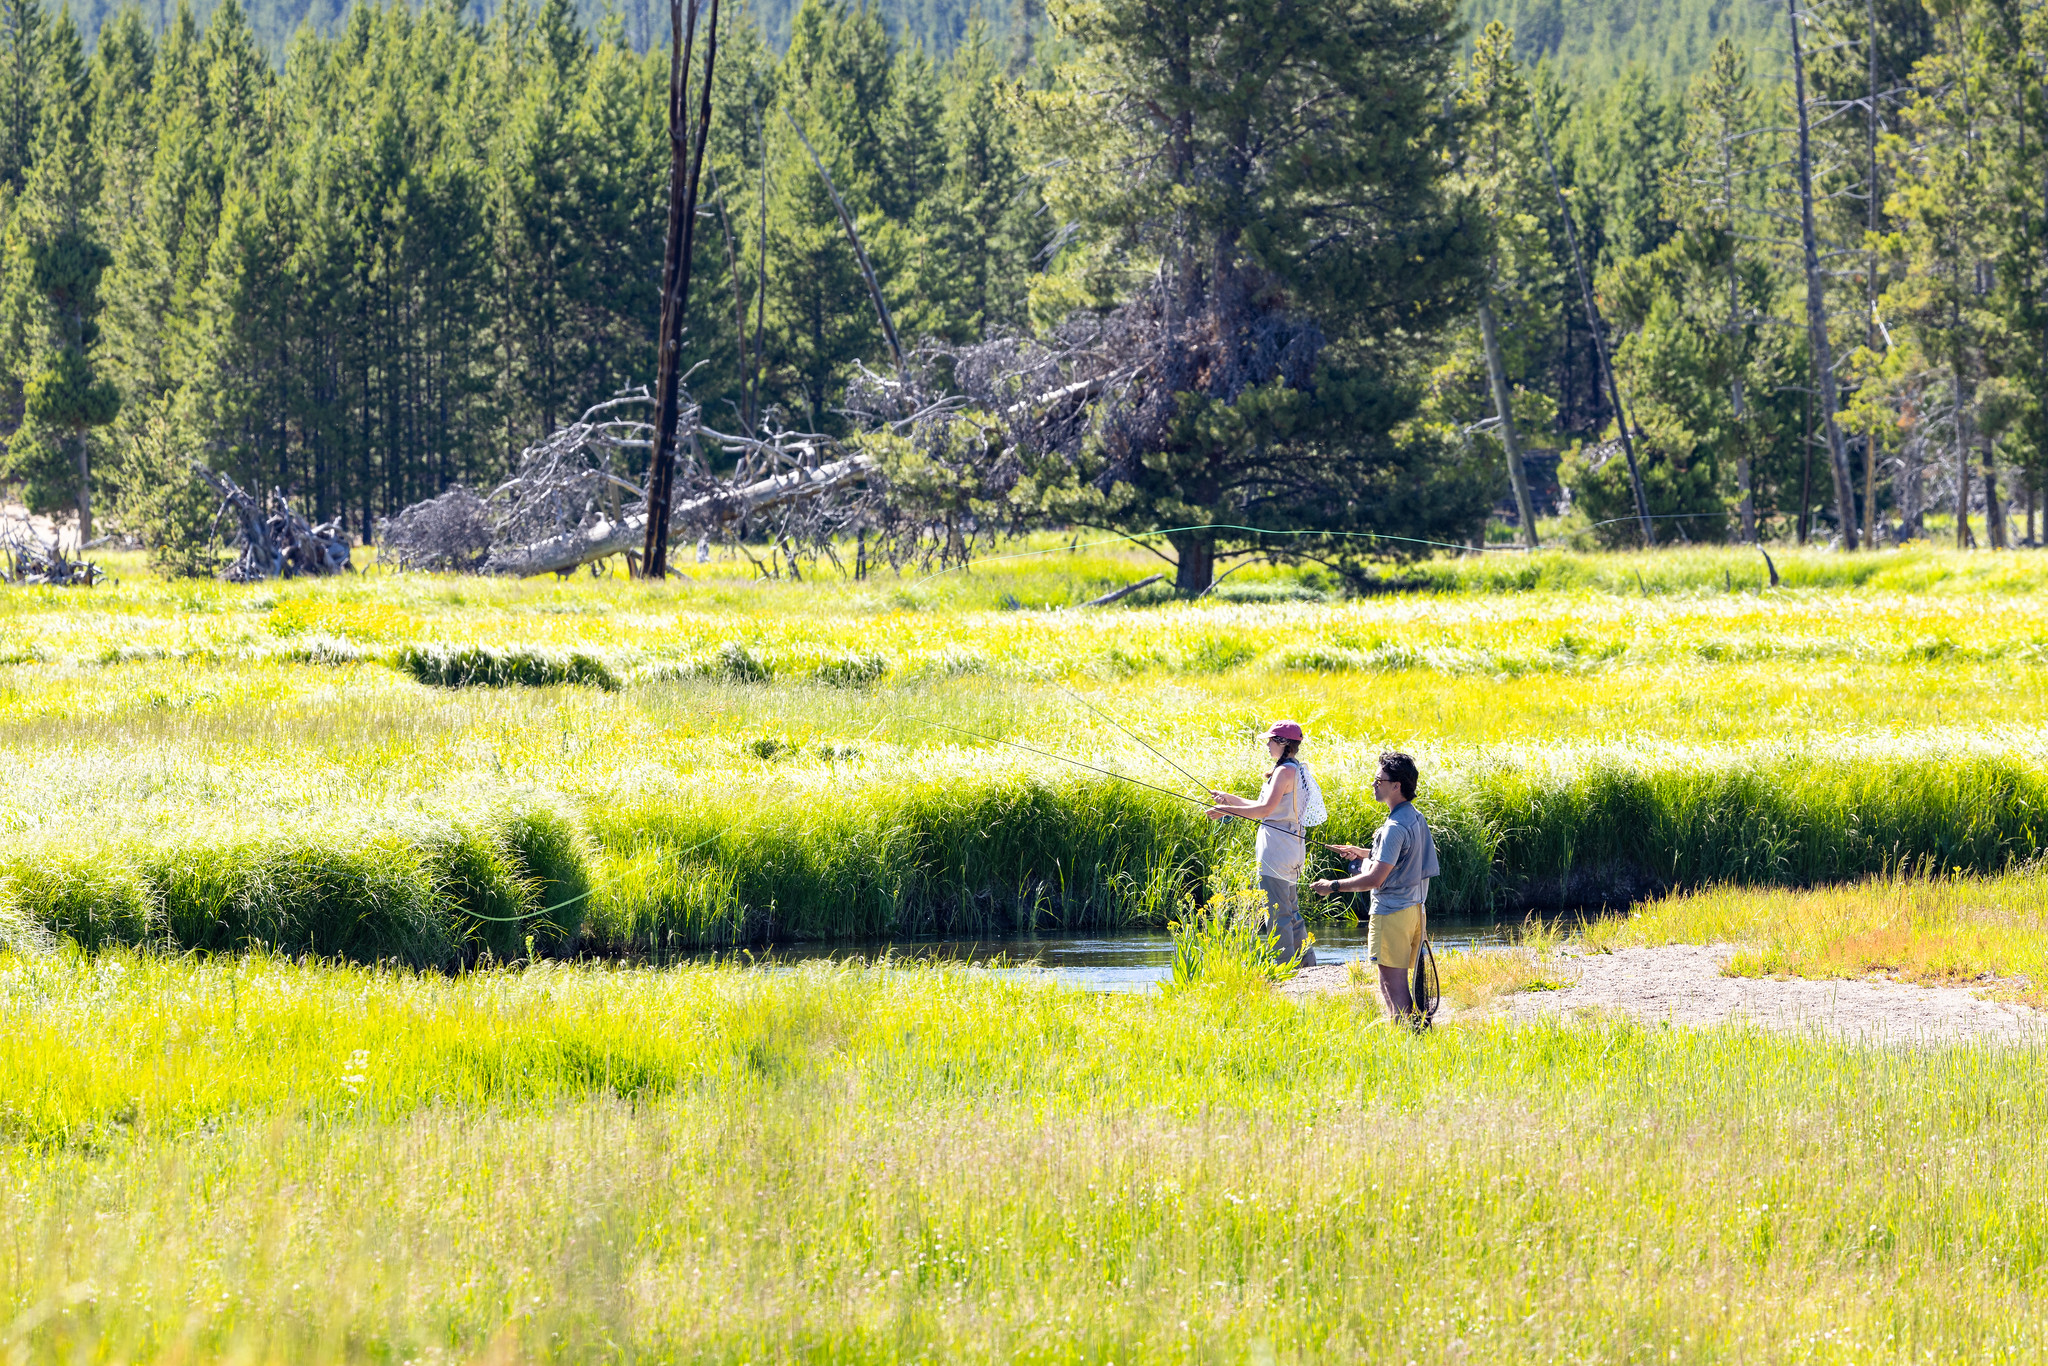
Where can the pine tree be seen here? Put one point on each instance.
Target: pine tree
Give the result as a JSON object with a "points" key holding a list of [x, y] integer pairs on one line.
{"points": [[1940, 295], [59, 259], [969, 275], [1711, 380], [534, 162], [1628, 146], [1278, 170], [837, 80], [1502, 175]]}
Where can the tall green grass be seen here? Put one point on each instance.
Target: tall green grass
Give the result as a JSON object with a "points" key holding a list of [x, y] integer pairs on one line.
{"points": [[445, 896], [767, 857]]}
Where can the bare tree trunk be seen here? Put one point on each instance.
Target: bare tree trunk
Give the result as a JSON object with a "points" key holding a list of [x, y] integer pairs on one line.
{"points": [[1873, 202], [675, 271], [867, 271], [1806, 474], [1994, 506], [739, 295], [1912, 486], [1518, 473], [1962, 421], [1816, 298], [1744, 472], [1628, 445]]}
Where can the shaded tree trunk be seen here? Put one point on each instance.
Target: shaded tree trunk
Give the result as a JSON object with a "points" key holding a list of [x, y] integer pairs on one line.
{"points": [[1994, 507], [1962, 420], [1744, 471], [1196, 553], [1806, 474], [1912, 486], [84, 459]]}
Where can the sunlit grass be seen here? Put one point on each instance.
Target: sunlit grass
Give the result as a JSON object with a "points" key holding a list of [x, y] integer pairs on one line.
{"points": [[747, 758], [271, 1162]]}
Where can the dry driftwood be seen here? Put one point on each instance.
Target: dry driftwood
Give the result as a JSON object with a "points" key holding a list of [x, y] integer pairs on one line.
{"points": [[274, 542]]}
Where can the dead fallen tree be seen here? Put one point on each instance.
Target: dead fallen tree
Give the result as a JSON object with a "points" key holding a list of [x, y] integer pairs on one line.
{"points": [[938, 447], [30, 560], [273, 542], [605, 537]]}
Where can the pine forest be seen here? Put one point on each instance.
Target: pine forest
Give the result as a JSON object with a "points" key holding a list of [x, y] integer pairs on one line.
{"points": [[1807, 261]]}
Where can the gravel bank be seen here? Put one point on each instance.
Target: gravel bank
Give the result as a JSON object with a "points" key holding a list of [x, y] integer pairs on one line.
{"points": [[1683, 984]]}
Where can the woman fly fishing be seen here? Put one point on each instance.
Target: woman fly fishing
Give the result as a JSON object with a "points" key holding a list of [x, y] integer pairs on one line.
{"points": [[1284, 808]]}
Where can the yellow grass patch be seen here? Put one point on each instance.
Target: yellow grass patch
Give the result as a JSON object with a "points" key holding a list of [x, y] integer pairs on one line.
{"points": [[1940, 931]]}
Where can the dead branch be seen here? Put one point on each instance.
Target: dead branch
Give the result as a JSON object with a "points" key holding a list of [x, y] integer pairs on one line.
{"points": [[1118, 594]]}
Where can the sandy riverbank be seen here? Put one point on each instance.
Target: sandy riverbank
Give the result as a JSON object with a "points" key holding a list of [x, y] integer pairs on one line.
{"points": [[1683, 984]]}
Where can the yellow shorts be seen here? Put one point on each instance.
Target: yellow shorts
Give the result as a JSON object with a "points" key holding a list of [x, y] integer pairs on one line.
{"points": [[1395, 940]]}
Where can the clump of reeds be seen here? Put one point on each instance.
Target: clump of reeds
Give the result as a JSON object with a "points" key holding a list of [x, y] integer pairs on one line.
{"points": [[442, 895], [461, 666]]}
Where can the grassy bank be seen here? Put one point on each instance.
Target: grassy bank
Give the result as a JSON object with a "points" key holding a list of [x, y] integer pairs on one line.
{"points": [[256, 1160], [951, 844]]}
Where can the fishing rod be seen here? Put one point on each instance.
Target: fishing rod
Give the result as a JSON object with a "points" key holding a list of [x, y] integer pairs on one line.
{"points": [[1135, 736], [1112, 773]]}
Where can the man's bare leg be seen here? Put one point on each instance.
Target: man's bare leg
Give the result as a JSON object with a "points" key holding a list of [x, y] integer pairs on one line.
{"points": [[1394, 992]]}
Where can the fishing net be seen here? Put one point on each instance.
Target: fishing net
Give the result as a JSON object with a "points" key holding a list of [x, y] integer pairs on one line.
{"points": [[1424, 990], [1313, 812]]}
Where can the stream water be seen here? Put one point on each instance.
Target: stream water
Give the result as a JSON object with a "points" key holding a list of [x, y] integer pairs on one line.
{"points": [[1130, 960]]}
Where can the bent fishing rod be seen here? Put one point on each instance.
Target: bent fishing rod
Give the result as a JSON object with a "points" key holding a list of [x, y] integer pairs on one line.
{"points": [[1124, 777]]}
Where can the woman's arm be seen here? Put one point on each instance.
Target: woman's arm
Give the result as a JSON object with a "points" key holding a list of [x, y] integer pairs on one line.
{"points": [[1277, 786]]}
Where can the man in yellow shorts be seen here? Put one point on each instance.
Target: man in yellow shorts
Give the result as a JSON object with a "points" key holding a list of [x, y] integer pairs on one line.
{"points": [[1397, 871]]}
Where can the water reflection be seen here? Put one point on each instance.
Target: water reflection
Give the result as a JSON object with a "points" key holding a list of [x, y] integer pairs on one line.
{"points": [[1131, 960]]}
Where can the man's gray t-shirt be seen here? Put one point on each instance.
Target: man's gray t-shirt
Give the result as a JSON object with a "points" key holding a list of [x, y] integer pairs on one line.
{"points": [[1405, 842]]}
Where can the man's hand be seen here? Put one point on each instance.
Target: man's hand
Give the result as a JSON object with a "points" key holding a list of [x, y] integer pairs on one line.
{"points": [[1217, 813], [1324, 886], [1348, 850]]}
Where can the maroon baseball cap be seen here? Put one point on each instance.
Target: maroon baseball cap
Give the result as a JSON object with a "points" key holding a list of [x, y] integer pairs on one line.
{"points": [[1283, 730]]}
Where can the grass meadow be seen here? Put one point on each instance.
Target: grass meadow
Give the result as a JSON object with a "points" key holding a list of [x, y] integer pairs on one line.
{"points": [[432, 769], [345, 974]]}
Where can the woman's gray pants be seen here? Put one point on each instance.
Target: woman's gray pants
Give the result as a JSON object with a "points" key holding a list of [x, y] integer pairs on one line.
{"points": [[1283, 918]]}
